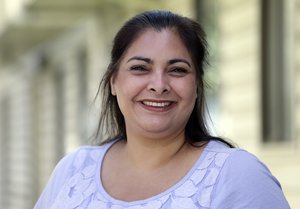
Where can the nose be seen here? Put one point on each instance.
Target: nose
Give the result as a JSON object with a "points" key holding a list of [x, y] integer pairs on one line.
{"points": [[159, 83]]}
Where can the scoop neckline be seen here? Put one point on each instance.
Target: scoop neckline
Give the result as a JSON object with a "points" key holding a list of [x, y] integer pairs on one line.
{"points": [[115, 201]]}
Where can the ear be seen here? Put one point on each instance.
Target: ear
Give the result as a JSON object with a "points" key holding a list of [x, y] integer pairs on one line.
{"points": [[112, 86]]}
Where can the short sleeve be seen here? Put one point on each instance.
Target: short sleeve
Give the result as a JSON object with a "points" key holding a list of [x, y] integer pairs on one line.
{"points": [[61, 172], [245, 182]]}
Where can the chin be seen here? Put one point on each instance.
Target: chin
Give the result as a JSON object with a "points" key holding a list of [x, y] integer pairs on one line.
{"points": [[154, 128], [159, 130]]}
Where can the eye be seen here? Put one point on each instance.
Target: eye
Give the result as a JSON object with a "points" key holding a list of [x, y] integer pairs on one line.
{"points": [[140, 68], [180, 71]]}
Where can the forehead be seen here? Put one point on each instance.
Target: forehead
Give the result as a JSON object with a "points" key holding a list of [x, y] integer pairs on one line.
{"points": [[152, 43]]}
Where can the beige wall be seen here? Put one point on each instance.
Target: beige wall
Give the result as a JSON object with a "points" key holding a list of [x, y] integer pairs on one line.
{"points": [[240, 71], [296, 59], [240, 68]]}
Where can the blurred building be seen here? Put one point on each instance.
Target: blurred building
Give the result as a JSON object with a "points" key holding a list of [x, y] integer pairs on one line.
{"points": [[53, 53], [259, 51]]}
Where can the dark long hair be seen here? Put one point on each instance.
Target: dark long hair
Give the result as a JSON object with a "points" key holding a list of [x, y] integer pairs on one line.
{"points": [[112, 123]]}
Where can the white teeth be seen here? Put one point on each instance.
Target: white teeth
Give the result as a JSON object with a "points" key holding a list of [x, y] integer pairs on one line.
{"points": [[156, 104]]}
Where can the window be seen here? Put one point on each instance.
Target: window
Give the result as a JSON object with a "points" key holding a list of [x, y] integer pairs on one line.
{"points": [[276, 72], [4, 148], [59, 80], [209, 22], [82, 93]]}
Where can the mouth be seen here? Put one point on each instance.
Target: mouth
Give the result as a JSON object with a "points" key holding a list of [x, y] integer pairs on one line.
{"points": [[157, 104]]}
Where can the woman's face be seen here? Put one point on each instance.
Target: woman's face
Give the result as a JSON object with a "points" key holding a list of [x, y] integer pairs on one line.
{"points": [[155, 85]]}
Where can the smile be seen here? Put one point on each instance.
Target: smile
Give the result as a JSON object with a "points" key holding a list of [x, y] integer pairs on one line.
{"points": [[157, 104]]}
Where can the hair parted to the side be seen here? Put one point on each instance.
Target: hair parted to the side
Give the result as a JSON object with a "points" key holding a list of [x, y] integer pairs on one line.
{"points": [[112, 124]]}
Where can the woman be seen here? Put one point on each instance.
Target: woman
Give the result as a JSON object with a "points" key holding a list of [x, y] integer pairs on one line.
{"points": [[159, 153]]}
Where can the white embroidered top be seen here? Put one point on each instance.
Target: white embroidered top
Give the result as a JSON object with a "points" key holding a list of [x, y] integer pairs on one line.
{"points": [[222, 178]]}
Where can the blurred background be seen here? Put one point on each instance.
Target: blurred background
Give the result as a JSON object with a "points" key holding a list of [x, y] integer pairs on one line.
{"points": [[53, 53]]}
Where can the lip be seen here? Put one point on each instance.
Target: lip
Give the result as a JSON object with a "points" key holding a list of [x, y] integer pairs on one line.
{"points": [[157, 105]]}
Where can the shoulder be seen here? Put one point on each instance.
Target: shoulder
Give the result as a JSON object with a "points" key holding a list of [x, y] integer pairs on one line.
{"points": [[243, 162], [240, 166], [236, 160], [244, 166], [74, 162], [79, 157], [82, 163], [245, 182]]}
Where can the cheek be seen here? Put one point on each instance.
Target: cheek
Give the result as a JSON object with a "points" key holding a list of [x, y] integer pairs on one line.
{"points": [[127, 88], [187, 89]]}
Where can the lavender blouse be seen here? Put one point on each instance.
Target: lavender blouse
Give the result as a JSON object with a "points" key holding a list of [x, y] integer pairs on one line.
{"points": [[222, 178]]}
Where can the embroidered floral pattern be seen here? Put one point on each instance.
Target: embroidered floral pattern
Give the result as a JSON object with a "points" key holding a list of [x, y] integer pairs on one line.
{"points": [[193, 192]]}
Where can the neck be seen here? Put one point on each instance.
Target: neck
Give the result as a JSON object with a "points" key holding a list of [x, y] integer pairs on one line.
{"points": [[150, 153]]}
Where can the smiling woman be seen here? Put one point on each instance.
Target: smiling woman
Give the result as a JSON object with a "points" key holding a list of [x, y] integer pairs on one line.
{"points": [[156, 92], [159, 153]]}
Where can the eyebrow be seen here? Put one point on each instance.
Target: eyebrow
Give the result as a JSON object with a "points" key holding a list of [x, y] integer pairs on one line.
{"points": [[173, 61], [148, 60]]}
